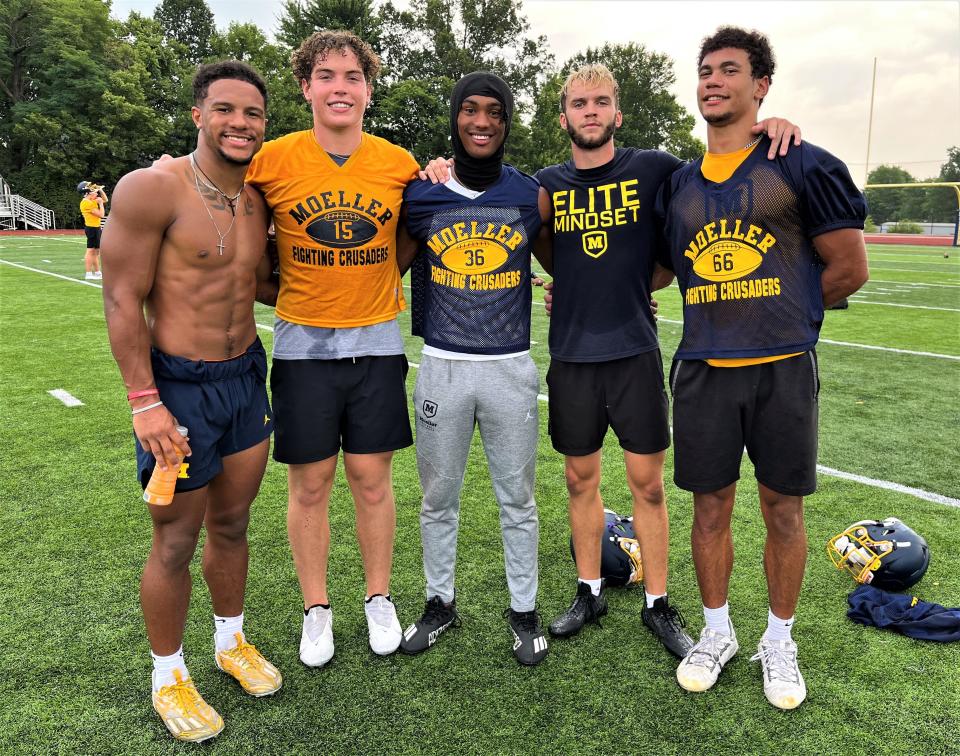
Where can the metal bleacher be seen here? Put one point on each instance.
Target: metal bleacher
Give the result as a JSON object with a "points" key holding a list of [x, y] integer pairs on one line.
{"points": [[19, 212]]}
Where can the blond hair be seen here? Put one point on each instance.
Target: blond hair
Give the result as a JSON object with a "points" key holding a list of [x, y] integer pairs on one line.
{"points": [[592, 75], [320, 44]]}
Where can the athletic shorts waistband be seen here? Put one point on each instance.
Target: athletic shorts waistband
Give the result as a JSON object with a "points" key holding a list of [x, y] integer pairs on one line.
{"points": [[175, 368]]}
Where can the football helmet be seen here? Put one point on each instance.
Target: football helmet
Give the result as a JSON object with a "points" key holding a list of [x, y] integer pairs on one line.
{"points": [[885, 554], [619, 551]]}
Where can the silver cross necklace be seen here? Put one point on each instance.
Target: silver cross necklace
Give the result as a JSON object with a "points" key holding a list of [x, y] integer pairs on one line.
{"points": [[230, 200]]}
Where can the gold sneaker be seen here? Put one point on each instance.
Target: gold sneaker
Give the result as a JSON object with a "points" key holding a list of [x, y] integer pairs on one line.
{"points": [[185, 713], [245, 664]]}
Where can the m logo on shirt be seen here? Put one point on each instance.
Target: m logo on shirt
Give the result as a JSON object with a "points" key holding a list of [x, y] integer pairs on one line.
{"points": [[429, 408], [595, 243]]}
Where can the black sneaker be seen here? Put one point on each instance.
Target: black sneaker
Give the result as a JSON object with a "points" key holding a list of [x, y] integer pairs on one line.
{"points": [[423, 633], [585, 608], [529, 642], [667, 624]]}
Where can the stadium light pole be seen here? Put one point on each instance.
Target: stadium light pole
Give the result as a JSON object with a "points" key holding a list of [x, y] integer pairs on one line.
{"points": [[873, 89]]}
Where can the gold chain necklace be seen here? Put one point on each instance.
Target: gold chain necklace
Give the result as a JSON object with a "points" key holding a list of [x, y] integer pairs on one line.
{"points": [[196, 179], [208, 182], [755, 141]]}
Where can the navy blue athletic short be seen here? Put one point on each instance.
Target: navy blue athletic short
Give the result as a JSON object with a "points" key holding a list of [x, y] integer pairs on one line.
{"points": [[223, 404]]}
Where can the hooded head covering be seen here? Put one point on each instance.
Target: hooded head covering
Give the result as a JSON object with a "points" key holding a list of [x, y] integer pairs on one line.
{"points": [[479, 173]]}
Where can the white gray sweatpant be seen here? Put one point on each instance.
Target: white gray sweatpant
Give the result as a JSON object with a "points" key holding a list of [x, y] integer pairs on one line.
{"points": [[499, 397]]}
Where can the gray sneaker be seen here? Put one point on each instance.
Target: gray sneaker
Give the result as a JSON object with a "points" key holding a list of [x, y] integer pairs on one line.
{"points": [[701, 666], [783, 684]]}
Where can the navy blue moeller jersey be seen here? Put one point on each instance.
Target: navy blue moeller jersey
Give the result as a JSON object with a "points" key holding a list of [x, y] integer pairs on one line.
{"points": [[475, 260], [743, 253], [606, 238]]}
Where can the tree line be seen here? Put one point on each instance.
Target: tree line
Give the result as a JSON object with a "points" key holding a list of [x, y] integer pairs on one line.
{"points": [[87, 97], [938, 205]]}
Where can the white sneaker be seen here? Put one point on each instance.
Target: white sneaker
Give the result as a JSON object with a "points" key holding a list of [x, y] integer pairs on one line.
{"points": [[90, 276], [701, 666], [383, 625], [783, 684], [316, 640], [98, 275]]}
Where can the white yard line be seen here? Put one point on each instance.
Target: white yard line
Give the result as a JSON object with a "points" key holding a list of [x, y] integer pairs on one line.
{"points": [[66, 397], [891, 349], [909, 307], [889, 486], [917, 284], [910, 270], [50, 273]]}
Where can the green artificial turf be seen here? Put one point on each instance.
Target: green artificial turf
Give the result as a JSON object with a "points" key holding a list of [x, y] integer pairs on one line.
{"points": [[74, 534]]}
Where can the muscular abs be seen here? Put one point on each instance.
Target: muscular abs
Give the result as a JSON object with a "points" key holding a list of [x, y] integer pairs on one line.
{"points": [[201, 304]]}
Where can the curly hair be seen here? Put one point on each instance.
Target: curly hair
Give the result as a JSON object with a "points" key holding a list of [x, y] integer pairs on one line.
{"points": [[225, 69], [319, 44], [753, 43], [591, 76]]}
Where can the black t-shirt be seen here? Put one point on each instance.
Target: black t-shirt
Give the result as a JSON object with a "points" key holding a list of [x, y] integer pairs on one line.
{"points": [[606, 239]]}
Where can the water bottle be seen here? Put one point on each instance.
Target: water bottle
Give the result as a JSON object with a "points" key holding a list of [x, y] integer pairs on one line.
{"points": [[160, 488]]}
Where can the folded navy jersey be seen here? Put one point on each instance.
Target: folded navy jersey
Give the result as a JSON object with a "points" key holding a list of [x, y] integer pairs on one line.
{"points": [[903, 614]]}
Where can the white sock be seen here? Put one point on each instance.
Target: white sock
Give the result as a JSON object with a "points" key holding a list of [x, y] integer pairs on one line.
{"points": [[777, 629], [594, 585], [718, 619], [164, 666], [651, 597], [225, 631]]}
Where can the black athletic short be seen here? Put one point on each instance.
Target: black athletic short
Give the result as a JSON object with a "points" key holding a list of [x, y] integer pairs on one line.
{"points": [[93, 236], [319, 406], [771, 409], [222, 403], [626, 395]]}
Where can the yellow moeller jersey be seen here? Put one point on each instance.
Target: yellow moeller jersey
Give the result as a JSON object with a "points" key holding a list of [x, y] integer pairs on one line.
{"points": [[336, 228], [89, 219]]}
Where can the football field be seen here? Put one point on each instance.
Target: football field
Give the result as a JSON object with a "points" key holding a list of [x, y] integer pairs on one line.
{"points": [[74, 534]]}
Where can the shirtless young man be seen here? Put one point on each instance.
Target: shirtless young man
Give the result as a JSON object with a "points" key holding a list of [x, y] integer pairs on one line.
{"points": [[187, 241]]}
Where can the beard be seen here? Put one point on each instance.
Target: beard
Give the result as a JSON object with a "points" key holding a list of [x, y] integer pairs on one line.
{"points": [[585, 143], [718, 119], [232, 160]]}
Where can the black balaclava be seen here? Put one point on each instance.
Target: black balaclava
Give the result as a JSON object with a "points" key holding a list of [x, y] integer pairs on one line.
{"points": [[479, 173]]}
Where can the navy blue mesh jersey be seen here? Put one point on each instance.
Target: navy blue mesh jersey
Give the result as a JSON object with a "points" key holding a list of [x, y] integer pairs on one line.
{"points": [[470, 284], [606, 238], [743, 252]]}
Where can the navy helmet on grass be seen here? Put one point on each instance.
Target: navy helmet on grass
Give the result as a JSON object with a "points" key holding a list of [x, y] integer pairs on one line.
{"points": [[619, 551], [885, 554]]}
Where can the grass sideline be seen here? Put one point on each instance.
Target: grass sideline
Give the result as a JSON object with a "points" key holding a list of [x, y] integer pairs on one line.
{"points": [[73, 537]]}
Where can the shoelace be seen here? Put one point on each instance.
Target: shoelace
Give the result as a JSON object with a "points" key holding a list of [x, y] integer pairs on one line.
{"points": [[529, 622], [780, 663], [186, 696], [674, 617], [436, 610], [246, 655], [711, 648]]}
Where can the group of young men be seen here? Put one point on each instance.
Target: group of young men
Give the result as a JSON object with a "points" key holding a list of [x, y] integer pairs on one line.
{"points": [[758, 241]]}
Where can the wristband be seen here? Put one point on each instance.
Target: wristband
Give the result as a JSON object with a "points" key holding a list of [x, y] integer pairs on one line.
{"points": [[138, 410], [137, 394]]}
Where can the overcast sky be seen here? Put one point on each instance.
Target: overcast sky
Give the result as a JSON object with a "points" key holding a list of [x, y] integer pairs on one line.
{"points": [[825, 51]]}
